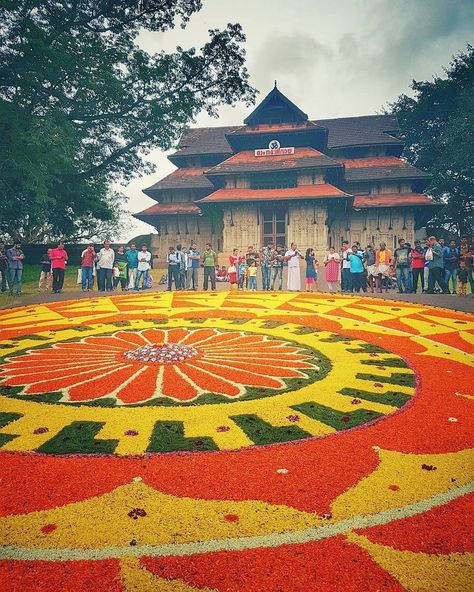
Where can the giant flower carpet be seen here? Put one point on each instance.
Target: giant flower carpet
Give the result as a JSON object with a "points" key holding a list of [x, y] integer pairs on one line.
{"points": [[236, 442]]}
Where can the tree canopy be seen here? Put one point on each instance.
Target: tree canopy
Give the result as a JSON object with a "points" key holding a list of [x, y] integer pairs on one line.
{"points": [[81, 104], [437, 125]]}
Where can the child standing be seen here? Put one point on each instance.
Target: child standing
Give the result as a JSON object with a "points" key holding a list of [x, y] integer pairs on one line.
{"points": [[45, 275], [312, 265], [462, 278], [242, 269], [331, 263], [252, 277]]}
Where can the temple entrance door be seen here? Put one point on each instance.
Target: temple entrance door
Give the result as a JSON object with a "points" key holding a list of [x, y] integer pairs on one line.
{"points": [[274, 225]]}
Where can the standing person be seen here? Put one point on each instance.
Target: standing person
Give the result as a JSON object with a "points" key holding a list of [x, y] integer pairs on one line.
{"points": [[132, 265], [267, 255], [105, 264], [45, 273], [192, 272], [252, 277], [466, 254], [233, 268], [370, 257], [311, 270], [451, 264], [357, 270], [209, 260], [346, 285], [418, 266], [402, 259], [144, 266], [250, 256], [331, 269], [121, 263], [181, 258], [293, 257], [462, 277], [15, 258], [58, 258], [242, 272], [87, 266], [434, 255], [278, 258], [3, 266], [383, 261], [173, 269]]}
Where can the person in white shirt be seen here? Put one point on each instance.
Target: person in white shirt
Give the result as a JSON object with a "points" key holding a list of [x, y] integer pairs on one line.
{"points": [[293, 257], [105, 264], [144, 258]]}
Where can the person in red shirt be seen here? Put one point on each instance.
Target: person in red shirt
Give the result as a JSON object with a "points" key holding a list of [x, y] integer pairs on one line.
{"points": [[88, 257], [58, 258], [418, 266]]}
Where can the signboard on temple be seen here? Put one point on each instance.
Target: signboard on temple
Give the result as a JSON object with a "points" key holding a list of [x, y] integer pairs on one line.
{"points": [[274, 149]]}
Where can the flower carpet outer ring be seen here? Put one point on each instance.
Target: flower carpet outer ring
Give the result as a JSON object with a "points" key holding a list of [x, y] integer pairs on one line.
{"points": [[374, 497]]}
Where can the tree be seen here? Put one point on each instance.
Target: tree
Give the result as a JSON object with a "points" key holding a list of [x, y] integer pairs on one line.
{"points": [[437, 125], [81, 104]]}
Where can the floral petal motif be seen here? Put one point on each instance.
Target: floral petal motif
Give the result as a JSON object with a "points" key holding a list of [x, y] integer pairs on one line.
{"points": [[137, 366]]}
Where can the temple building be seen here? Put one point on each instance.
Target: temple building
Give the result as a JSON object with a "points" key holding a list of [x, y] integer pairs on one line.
{"points": [[283, 177]]}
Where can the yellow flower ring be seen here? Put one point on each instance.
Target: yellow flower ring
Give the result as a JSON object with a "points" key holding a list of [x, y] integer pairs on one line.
{"points": [[188, 442]]}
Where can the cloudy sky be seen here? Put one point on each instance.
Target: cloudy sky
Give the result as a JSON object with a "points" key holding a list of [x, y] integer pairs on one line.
{"points": [[333, 58]]}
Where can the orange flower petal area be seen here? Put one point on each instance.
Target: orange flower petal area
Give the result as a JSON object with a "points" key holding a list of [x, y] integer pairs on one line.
{"points": [[385, 507], [96, 367]]}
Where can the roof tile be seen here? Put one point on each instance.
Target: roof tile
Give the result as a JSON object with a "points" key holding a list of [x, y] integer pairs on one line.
{"points": [[321, 191], [391, 200]]}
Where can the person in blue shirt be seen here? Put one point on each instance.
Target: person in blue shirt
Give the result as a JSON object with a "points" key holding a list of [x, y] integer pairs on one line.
{"points": [[132, 260], [451, 264], [357, 271], [192, 271]]}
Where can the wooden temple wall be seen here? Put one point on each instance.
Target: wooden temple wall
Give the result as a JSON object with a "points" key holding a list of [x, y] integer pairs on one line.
{"points": [[374, 225]]}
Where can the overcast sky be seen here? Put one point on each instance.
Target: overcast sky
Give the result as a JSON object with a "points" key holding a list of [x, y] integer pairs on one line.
{"points": [[333, 58]]}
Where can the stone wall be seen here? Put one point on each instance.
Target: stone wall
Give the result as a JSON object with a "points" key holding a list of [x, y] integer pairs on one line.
{"points": [[307, 227], [240, 227]]}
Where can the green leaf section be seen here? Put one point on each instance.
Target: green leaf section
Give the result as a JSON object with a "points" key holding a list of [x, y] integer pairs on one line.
{"points": [[261, 432], [168, 436], [79, 438], [392, 398], [395, 378], [5, 419], [336, 419], [388, 362]]}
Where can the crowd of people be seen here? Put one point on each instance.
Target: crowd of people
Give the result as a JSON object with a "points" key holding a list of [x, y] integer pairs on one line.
{"points": [[126, 267], [432, 267]]}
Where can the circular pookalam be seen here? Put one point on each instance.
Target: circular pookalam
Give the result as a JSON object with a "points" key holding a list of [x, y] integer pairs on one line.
{"points": [[336, 453]]}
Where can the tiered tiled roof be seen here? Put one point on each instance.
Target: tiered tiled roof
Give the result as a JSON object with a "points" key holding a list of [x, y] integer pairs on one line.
{"points": [[246, 161], [391, 200], [170, 209], [322, 191], [343, 132], [265, 128], [189, 178], [373, 170]]}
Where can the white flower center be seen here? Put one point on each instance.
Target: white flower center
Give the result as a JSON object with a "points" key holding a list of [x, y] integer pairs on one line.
{"points": [[169, 353]]}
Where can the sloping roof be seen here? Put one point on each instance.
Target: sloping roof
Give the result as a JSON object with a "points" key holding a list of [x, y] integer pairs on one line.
{"points": [[391, 200], [169, 209], [246, 161], [190, 178], [346, 131], [321, 191], [396, 170], [275, 96], [265, 128], [370, 161], [367, 130], [205, 140]]}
